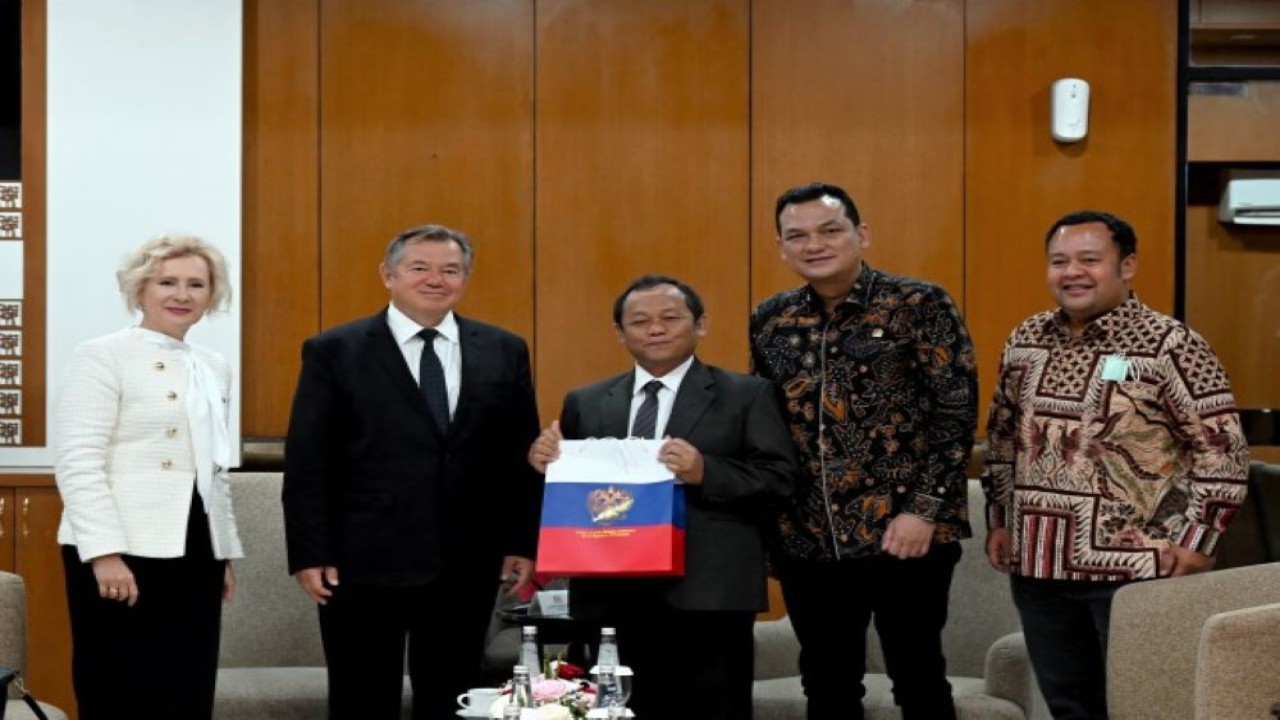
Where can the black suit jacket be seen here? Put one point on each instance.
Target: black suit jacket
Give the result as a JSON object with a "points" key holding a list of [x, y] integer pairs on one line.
{"points": [[735, 422], [373, 487]]}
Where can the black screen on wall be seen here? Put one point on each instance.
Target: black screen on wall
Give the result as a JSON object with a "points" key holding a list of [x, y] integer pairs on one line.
{"points": [[10, 89]]}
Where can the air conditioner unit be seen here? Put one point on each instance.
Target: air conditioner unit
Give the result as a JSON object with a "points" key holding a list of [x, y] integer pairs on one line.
{"points": [[1251, 197]]}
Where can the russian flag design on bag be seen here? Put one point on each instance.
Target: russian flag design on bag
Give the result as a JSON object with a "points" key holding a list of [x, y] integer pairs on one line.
{"points": [[610, 509]]}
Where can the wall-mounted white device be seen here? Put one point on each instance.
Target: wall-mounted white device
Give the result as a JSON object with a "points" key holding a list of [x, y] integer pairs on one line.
{"points": [[1069, 111], [1251, 197]]}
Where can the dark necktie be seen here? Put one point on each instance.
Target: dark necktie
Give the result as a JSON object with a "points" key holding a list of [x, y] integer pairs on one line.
{"points": [[647, 416], [431, 379]]}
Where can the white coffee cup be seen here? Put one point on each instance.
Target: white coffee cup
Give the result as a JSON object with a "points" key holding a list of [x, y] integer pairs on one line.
{"points": [[477, 701]]}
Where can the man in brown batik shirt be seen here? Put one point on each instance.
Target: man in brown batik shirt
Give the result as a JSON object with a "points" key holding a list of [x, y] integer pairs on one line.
{"points": [[1115, 454]]}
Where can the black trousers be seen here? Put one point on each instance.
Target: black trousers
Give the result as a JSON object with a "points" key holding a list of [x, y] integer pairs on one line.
{"points": [[1066, 623], [159, 658], [831, 604], [365, 630], [694, 664]]}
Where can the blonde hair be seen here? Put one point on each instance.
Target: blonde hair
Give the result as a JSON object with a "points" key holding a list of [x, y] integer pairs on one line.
{"points": [[143, 264]]}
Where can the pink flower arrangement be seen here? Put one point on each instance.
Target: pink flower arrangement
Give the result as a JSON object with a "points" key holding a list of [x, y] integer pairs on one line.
{"points": [[564, 686], [546, 691]]}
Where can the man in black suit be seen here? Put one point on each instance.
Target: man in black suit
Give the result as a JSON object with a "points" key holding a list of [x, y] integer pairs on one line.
{"points": [[406, 494], [689, 639]]}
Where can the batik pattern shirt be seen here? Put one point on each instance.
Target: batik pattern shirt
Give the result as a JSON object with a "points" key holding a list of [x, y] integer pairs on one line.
{"points": [[881, 399], [1107, 447]]}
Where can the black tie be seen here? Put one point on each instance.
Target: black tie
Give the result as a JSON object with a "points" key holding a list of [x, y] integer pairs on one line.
{"points": [[431, 379], [647, 416]]}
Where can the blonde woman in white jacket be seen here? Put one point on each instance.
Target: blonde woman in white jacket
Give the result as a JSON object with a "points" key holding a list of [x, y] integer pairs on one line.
{"points": [[147, 530]]}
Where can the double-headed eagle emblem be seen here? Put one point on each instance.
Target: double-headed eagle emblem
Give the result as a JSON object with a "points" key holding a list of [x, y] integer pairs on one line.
{"points": [[609, 505]]}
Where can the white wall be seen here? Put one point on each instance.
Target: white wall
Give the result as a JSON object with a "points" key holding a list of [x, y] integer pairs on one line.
{"points": [[144, 127]]}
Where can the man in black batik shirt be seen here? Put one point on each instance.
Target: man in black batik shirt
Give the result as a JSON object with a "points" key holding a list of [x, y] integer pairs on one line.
{"points": [[880, 392]]}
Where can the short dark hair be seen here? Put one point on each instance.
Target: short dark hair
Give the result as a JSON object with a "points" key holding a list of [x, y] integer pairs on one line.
{"points": [[647, 282], [1121, 232], [429, 233], [811, 192]]}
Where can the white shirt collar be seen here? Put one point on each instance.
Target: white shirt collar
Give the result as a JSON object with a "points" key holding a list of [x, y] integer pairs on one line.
{"points": [[156, 337], [670, 381], [404, 329]]}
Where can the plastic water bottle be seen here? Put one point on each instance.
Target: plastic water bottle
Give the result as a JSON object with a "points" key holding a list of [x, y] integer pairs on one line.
{"points": [[607, 687], [608, 652], [530, 658], [521, 687]]}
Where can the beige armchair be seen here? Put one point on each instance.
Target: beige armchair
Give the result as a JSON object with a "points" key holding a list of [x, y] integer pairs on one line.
{"points": [[1238, 664], [271, 665], [13, 646], [1156, 634], [987, 663]]}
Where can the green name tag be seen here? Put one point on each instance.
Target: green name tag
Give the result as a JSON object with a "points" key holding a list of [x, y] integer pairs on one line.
{"points": [[1115, 368]]}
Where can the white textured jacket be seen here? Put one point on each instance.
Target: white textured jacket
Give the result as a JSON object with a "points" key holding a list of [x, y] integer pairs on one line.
{"points": [[125, 463]]}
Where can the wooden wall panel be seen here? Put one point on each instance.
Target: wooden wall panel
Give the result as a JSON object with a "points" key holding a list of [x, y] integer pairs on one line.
{"points": [[1235, 32], [281, 252], [7, 525], [870, 96], [1018, 180], [34, 223], [1205, 53], [1233, 299], [38, 559], [665, 129], [642, 148], [1270, 454], [1235, 12], [427, 116], [1235, 128]]}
